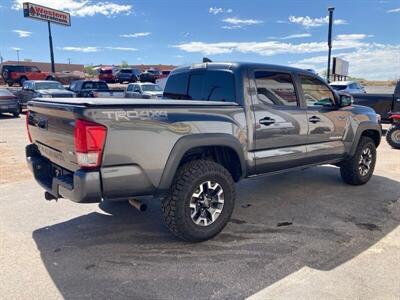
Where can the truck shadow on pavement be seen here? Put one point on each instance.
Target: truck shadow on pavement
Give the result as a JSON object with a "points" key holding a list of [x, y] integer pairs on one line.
{"points": [[280, 224]]}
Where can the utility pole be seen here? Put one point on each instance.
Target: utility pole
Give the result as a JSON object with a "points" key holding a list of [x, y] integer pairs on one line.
{"points": [[69, 61], [330, 10], [53, 69], [17, 49]]}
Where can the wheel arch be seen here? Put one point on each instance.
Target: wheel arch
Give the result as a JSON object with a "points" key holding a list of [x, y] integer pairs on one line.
{"points": [[371, 130], [218, 145]]}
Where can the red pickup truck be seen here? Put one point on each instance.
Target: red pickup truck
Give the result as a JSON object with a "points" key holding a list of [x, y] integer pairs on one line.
{"points": [[19, 74]]}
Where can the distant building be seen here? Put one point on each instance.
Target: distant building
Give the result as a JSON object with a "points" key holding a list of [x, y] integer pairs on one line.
{"points": [[46, 67]]}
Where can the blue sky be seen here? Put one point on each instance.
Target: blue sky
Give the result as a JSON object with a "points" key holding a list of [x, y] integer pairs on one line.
{"points": [[178, 32]]}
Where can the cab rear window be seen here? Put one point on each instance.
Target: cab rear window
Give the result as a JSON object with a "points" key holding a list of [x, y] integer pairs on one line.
{"points": [[210, 85]]}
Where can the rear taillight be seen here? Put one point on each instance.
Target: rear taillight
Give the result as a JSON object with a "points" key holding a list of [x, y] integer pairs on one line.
{"points": [[27, 126], [89, 138]]}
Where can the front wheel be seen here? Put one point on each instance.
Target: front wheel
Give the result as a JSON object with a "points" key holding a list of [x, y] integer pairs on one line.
{"points": [[393, 136], [358, 169], [200, 201]]}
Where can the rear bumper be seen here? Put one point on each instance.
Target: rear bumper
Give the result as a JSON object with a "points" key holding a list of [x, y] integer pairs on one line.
{"points": [[81, 186], [9, 107]]}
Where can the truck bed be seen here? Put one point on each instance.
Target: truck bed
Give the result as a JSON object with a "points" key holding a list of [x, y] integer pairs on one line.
{"points": [[127, 101]]}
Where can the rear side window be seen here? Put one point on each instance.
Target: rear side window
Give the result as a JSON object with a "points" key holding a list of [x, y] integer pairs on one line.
{"points": [[95, 85], [275, 88], [176, 86], [20, 69], [206, 86]]}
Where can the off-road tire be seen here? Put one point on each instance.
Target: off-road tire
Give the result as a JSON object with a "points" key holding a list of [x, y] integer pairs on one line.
{"points": [[389, 134], [175, 207], [22, 80], [349, 169]]}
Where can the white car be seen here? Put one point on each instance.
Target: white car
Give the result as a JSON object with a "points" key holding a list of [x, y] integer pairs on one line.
{"points": [[144, 90], [351, 87]]}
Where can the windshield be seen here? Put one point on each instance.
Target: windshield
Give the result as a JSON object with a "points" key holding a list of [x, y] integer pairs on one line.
{"points": [[48, 85], [6, 93], [151, 88], [339, 87]]}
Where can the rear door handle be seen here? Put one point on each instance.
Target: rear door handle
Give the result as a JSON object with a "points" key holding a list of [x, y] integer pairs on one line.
{"points": [[267, 121], [314, 119]]}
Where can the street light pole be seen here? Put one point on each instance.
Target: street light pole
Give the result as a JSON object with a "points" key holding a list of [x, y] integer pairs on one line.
{"points": [[330, 10], [51, 48], [17, 55]]}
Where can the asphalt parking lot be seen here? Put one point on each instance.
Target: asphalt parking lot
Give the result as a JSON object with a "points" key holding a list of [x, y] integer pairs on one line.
{"points": [[300, 235]]}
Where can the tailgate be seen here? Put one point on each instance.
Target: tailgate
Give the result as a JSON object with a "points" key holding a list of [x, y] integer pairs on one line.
{"points": [[109, 94], [52, 130]]}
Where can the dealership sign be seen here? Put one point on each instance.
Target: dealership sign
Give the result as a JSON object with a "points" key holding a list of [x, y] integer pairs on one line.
{"points": [[43, 13], [340, 67]]}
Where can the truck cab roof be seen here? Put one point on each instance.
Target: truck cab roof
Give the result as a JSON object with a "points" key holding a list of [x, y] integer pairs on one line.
{"points": [[237, 66]]}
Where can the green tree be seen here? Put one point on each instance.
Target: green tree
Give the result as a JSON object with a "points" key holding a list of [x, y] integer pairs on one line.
{"points": [[89, 70], [124, 64]]}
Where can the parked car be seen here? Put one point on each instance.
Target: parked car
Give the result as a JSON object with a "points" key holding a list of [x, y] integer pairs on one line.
{"points": [[237, 120], [127, 75], [162, 80], [144, 90], [42, 89], [383, 104], [8, 103], [150, 75], [350, 87], [107, 75], [19, 74], [94, 89]]}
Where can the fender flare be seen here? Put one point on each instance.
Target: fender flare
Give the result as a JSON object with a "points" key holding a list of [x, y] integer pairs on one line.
{"points": [[186, 143], [362, 127]]}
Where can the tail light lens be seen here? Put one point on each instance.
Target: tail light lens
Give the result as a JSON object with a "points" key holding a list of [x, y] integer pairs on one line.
{"points": [[89, 138], [27, 126]]}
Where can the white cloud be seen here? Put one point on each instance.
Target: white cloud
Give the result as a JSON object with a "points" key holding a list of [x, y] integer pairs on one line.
{"points": [[314, 22], [82, 8], [80, 49], [351, 37], [241, 22], [219, 10], [395, 10], [121, 48], [135, 35], [91, 49], [16, 48], [295, 36], [265, 48], [22, 33], [374, 61]]}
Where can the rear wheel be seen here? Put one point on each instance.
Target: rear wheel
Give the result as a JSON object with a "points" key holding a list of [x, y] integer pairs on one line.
{"points": [[10, 83], [16, 114], [359, 168], [22, 80], [50, 78], [200, 201], [393, 136]]}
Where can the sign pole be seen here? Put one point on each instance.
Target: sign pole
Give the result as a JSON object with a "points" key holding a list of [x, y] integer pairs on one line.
{"points": [[53, 70], [330, 9]]}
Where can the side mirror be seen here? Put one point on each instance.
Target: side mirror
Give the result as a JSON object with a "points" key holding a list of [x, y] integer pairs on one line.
{"points": [[345, 100]]}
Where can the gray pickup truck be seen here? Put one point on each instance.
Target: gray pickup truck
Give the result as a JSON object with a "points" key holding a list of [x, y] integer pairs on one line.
{"points": [[219, 123]]}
